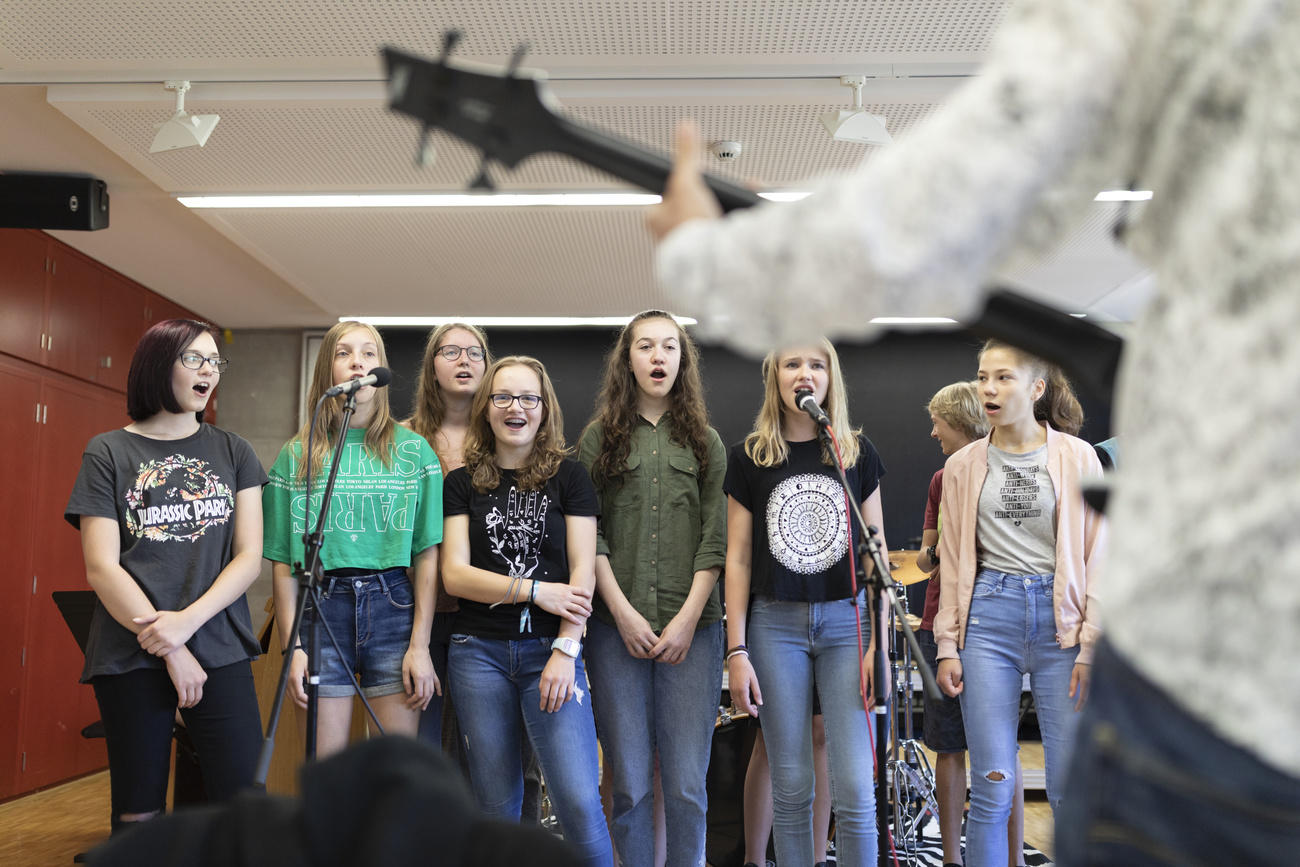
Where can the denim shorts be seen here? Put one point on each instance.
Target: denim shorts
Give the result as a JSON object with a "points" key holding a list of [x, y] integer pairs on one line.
{"points": [[371, 618], [942, 729]]}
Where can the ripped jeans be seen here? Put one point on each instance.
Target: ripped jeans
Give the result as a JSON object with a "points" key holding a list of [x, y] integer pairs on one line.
{"points": [[1011, 631]]}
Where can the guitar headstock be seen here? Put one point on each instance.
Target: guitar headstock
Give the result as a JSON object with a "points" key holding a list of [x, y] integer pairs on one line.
{"points": [[510, 114], [505, 113]]}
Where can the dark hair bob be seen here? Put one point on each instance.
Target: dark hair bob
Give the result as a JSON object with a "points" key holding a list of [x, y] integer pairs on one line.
{"points": [[149, 382]]}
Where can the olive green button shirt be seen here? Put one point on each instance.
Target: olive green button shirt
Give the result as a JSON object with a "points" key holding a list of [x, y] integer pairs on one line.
{"points": [[664, 522]]}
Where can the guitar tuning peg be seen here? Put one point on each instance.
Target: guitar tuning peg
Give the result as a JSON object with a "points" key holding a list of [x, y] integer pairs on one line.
{"points": [[449, 40], [517, 58], [426, 154], [482, 181]]}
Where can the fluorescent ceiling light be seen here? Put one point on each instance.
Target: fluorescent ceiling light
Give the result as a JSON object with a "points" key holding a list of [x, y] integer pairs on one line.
{"points": [[443, 200], [913, 320], [503, 321], [420, 200], [1123, 196]]}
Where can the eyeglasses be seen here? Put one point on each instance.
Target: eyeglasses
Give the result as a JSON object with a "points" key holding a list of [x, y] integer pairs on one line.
{"points": [[451, 352], [194, 361], [501, 400]]}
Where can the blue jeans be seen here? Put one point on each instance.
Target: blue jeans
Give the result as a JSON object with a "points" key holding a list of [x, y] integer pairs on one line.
{"points": [[1149, 784], [1010, 631], [642, 707], [791, 644], [370, 617], [497, 702], [430, 730]]}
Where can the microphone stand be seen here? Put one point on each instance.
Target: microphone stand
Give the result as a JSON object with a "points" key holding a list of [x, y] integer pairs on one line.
{"points": [[310, 576], [879, 582]]}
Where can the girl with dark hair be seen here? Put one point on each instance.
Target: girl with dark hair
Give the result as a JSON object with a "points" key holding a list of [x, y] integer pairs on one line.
{"points": [[380, 555], [520, 553], [1019, 558], [170, 513], [455, 357], [790, 595], [655, 644]]}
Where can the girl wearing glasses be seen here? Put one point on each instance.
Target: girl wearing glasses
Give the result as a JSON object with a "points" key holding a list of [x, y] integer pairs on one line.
{"points": [[380, 554], [455, 357], [170, 513], [520, 552], [792, 617], [656, 640]]}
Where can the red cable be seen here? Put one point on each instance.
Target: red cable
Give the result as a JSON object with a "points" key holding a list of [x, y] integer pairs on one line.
{"points": [[857, 616]]}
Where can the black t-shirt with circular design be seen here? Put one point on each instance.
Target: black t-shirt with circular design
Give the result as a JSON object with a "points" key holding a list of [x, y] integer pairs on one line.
{"points": [[800, 542]]}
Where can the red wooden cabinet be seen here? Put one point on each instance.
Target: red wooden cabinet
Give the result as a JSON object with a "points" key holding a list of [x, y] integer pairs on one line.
{"points": [[123, 318], [68, 329], [24, 265], [19, 426], [56, 706]]}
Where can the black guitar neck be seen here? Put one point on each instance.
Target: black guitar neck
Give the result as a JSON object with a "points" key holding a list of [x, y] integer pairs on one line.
{"points": [[508, 115]]}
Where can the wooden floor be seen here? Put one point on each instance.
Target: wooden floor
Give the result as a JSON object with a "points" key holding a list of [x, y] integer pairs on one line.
{"points": [[49, 827]]}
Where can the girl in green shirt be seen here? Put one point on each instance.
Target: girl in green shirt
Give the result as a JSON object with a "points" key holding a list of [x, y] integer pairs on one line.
{"points": [[654, 646]]}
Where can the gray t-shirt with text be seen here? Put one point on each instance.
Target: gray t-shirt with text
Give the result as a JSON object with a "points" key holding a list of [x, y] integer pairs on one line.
{"points": [[1016, 528]]}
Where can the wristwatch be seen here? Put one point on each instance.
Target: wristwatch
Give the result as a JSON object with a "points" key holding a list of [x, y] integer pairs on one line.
{"points": [[568, 646], [934, 554]]}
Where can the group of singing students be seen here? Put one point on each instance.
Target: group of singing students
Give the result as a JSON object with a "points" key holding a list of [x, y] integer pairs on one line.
{"points": [[555, 596]]}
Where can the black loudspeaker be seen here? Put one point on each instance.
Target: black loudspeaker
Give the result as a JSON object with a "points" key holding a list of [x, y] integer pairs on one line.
{"points": [[47, 201]]}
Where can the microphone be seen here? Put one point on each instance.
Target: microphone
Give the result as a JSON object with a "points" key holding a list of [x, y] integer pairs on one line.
{"points": [[803, 398], [378, 377]]}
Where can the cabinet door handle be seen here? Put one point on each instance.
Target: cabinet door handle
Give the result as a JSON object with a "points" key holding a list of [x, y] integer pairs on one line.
{"points": [[45, 412]]}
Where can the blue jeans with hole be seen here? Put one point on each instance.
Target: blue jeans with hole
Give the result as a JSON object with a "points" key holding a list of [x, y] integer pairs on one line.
{"points": [[643, 706], [1149, 784], [1010, 631], [497, 702], [791, 644]]}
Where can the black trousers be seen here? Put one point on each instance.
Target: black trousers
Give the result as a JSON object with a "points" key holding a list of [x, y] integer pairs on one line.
{"points": [[138, 709]]}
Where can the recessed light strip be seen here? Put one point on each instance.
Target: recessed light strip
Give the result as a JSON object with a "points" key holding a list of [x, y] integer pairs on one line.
{"points": [[443, 200], [502, 321], [1123, 196], [500, 200]]}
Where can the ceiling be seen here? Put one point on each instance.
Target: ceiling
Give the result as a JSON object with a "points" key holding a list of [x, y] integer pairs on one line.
{"points": [[298, 86]]}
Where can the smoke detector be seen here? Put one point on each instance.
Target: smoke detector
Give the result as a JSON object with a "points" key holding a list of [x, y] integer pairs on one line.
{"points": [[856, 123], [726, 150]]}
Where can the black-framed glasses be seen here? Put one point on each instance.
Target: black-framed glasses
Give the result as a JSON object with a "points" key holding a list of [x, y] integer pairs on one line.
{"points": [[501, 400], [194, 361], [451, 352]]}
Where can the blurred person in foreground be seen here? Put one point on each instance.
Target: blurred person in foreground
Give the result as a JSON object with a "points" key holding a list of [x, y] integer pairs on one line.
{"points": [[1183, 746]]}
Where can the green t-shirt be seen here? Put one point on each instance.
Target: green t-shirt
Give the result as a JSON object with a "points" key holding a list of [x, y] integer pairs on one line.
{"points": [[379, 517]]}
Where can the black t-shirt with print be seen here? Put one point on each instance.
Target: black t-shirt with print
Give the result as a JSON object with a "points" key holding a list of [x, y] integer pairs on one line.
{"points": [[514, 532], [174, 504], [800, 541]]}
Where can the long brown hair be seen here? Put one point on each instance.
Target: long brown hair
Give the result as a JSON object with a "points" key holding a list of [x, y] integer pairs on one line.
{"points": [[481, 444], [616, 406], [430, 404], [766, 445], [379, 432], [1057, 405]]}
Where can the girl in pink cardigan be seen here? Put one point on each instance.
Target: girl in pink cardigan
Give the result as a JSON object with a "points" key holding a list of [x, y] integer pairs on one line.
{"points": [[1019, 557]]}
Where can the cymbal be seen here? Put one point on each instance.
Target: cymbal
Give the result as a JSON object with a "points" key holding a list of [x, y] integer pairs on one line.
{"points": [[903, 565]]}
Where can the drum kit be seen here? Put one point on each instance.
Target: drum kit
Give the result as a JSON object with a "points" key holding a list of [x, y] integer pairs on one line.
{"points": [[909, 774]]}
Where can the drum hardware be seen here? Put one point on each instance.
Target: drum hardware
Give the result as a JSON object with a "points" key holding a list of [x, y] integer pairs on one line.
{"points": [[911, 777]]}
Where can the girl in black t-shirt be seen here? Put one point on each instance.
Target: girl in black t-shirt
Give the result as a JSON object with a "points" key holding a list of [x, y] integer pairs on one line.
{"points": [[520, 550], [792, 615], [170, 513]]}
